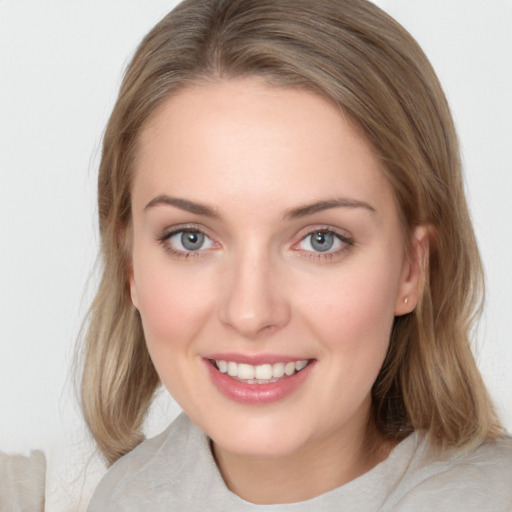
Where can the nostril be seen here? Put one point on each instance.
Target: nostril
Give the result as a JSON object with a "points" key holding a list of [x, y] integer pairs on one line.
{"points": [[253, 303]]}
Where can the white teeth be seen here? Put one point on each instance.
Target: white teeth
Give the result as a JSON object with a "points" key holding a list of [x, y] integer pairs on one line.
{"points": [[277, 370], [300, 364], [245, 371], [261, 372], [232, 369], [289, 368]]}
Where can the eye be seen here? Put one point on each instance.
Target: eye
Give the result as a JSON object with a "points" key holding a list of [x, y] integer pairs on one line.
{"points": [[187, 240], [324, 241]]}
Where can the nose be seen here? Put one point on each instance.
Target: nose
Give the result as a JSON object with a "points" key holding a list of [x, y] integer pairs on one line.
{"points": [[254, 302]]}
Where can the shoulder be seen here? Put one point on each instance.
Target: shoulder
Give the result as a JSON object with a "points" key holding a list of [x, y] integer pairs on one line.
{"points": [[469, 480], [153, 463]]}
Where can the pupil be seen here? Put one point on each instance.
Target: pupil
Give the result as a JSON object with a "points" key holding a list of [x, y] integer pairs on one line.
{"points": [[192, 241], [322, 241]]}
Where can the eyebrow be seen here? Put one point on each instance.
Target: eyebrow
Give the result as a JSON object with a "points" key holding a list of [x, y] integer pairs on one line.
{"points": [[183, 204], [310, 209], [294, 213]]}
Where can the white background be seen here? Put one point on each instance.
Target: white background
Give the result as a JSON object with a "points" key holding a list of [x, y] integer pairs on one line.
{"points": [[61, 63]]}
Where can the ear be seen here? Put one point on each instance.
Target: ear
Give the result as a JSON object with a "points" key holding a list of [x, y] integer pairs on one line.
{"points": [[413, 271], [133, 287]]}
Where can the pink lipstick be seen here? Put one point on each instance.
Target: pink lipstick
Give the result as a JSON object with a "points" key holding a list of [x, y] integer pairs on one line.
{"points": [[257, 380]]}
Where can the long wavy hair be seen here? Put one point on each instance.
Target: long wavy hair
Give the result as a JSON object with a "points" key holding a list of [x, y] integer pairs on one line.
{"points": [[353, 54]]}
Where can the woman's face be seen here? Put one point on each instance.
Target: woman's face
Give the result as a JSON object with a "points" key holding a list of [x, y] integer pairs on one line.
{"points": [[266, 238]]}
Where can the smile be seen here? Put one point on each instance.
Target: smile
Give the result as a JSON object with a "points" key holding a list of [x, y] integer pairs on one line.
{"points": [[262, 373], [258, 384]]}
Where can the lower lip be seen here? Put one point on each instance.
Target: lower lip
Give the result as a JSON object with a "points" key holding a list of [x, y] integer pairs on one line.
{"points": [[257, 394]]}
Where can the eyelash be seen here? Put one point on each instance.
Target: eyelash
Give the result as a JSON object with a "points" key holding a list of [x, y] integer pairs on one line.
{"points": [[345, 241], [178, 253]]}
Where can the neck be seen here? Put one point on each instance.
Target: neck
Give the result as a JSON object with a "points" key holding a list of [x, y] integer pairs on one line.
{"points": [[313, 470]]}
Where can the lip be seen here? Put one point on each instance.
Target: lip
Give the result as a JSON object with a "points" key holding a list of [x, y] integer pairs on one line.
{"points": [[254, 359], [256, 394]]}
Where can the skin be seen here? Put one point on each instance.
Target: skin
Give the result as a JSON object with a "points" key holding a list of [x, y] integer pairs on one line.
{"points": [[252, 154]]}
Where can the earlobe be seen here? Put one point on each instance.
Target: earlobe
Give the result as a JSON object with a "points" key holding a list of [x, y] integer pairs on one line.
{"points": [[414, 271]]}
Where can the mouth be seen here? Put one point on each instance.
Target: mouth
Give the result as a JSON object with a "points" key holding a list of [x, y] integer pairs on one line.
{"points": [[266, 373], [269, 380]]}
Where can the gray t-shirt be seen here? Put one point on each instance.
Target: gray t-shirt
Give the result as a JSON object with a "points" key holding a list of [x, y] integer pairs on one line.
{"points": [[175, 471]]}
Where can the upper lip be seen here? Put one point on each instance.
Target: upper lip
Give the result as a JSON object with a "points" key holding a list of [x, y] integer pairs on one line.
{"points": [[255, 359]]}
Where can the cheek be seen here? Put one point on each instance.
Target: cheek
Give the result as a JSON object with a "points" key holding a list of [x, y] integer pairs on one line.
{"points": [[353, 312], [172, 304]]}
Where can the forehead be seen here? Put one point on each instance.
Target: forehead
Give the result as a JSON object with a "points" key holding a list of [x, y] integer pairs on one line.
{"points": [[237, 139]]}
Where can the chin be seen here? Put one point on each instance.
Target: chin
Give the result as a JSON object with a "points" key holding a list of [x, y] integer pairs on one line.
{"points": [[260, 445], [264, 436]]}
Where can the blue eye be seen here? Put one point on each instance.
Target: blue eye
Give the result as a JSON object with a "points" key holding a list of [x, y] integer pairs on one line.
{"points": [[189, 241], [323, 241]]}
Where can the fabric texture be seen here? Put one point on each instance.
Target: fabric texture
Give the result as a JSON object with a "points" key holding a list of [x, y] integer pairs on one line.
{"points": [[175, 471], [22, 482]]}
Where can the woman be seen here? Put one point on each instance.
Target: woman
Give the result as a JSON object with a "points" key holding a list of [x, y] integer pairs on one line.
{"points": [[287, 248]]}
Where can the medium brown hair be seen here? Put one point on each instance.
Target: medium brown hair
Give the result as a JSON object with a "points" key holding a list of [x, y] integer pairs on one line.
{"points": [[353, 54]]}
